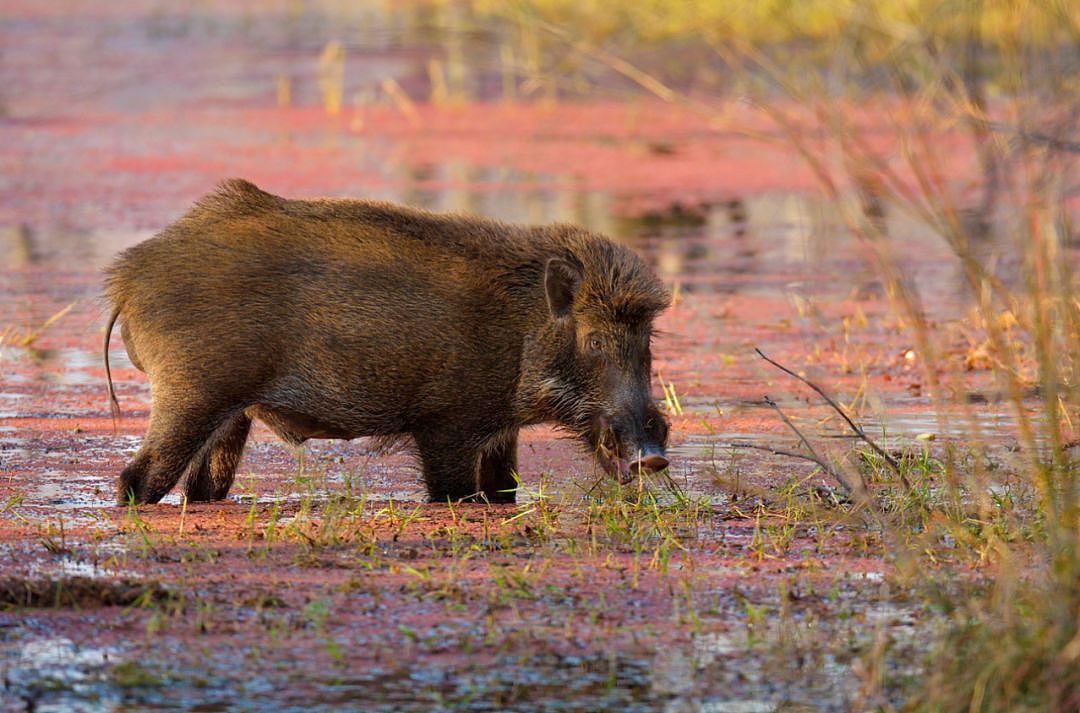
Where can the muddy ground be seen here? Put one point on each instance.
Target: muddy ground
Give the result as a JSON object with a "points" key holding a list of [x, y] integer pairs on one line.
{"points": [[324, 581]]}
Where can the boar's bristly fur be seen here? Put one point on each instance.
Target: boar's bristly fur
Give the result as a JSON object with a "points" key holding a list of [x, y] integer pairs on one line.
{"points": [[342, 318]]}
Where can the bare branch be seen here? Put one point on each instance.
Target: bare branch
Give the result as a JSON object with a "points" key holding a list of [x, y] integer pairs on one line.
{"points": [[795, 454], [1054, 143], [796, 431], [854, 426]]}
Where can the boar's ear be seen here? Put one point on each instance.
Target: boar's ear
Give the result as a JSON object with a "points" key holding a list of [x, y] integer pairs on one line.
{"points": [[561, 283]]}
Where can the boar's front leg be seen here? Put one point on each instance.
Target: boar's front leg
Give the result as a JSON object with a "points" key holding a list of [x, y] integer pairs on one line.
{"points": [[463, 467], [495, 474], [211, 473]]}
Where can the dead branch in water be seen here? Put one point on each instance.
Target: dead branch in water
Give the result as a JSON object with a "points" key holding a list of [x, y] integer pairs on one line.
{"points": [[791, 425], [861, 434], [795, 454], [812, 456]]}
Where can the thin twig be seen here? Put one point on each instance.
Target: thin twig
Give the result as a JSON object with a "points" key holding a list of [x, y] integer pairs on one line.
{"points": [[633, 73], [767, 496], [854, 426], [665, 476], [1031, 137], [794, 454], [795, 430], [595, 485]]}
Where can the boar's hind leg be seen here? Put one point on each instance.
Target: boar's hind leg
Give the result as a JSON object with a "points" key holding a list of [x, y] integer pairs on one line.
{"points": [[174, 439], [495, 478], [210, 474]]}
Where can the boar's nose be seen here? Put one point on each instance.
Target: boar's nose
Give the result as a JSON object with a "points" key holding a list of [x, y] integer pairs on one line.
{"points": [[650, 460]]}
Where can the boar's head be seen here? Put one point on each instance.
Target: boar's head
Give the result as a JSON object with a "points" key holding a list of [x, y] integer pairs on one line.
{"points": [[602, 302]]}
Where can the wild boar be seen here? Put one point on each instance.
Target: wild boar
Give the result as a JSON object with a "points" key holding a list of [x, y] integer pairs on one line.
{"points": [[348, 318]]}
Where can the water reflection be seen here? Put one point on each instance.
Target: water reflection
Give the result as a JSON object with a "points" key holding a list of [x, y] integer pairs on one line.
{"points": [[773, 243], [55, 245], [66, 366], [768, 243], [18, 245], [504, 193]]}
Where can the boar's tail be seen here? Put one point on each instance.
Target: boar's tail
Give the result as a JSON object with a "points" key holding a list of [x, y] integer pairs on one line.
{"points": [[114, 405]]}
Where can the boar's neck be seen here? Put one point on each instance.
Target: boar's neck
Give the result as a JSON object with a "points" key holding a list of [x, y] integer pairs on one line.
{"points": [[542, 393]]}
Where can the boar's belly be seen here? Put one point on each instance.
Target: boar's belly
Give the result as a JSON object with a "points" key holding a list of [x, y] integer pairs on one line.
{"points": [[294, 427]]}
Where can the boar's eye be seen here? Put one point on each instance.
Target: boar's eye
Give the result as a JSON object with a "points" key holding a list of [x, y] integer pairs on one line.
{"points": [[595, 344]]}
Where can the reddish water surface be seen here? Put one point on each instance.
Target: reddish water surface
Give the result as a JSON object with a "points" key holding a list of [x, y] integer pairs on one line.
{"points": [[114, 118]]}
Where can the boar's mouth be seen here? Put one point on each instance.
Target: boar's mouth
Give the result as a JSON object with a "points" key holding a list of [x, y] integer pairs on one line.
{"points": [[614, 455]]}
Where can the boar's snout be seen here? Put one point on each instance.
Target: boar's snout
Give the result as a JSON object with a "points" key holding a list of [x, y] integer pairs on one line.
{"points": [[651, 460], [629, 447]]}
